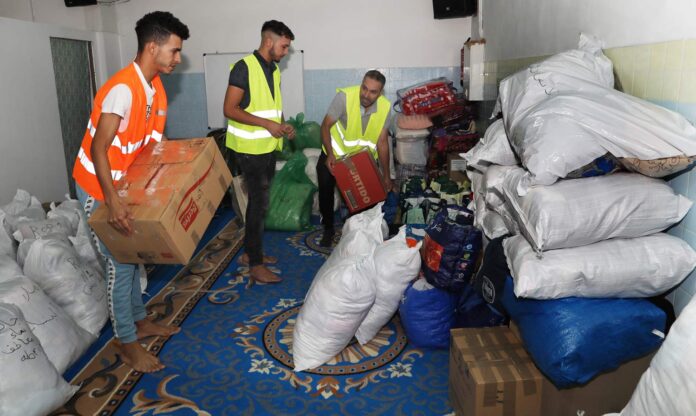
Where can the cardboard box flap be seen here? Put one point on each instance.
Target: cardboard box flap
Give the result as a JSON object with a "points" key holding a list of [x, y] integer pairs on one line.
{"points": [[482, 338], [174, 151]]}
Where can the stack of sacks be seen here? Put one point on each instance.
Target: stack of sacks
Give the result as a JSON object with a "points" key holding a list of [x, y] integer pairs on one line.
{"points": [[563, 114], [586, 238], [487, 164], [356, 292]]}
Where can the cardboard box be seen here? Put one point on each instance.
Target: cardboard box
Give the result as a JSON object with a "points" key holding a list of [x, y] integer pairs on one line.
{"points": [[173, 189], [359, 181], [606, 393], [492, 375], [456, 167]]}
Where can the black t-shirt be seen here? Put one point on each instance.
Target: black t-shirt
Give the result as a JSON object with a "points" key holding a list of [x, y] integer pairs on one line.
{"points": [[239, 77]]}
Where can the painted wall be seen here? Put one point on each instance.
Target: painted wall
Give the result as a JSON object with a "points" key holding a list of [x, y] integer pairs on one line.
{"points": [[31, 142], [522, 28]]}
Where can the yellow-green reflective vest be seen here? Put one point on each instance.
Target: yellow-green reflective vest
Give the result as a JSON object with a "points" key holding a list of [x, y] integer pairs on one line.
{"points": [[255, 140], [349, 139]]}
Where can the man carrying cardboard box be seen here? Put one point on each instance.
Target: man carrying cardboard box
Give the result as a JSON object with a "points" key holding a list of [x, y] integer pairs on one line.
{"points": [[255, 129], [130, 109], [358, 118]]}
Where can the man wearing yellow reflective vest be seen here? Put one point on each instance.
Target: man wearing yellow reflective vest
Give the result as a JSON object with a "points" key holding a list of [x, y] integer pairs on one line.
{"points": [[358, 118], [255, 129]]}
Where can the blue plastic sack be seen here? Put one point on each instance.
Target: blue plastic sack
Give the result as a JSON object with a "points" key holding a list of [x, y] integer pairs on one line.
{"points": [[572, 340], [452, 245], [391, 205], [427, 314]]}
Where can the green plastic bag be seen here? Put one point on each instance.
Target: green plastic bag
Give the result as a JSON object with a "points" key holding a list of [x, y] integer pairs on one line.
{"points": [[307, 134], [288, 150], [292, 194]]}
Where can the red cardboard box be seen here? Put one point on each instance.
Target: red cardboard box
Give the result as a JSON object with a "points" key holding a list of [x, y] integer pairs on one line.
{"points": [[359, 181]]}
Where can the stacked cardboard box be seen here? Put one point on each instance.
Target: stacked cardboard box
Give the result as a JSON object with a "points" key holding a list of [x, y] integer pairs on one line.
{"points": [[491, 374], [173, 189]]}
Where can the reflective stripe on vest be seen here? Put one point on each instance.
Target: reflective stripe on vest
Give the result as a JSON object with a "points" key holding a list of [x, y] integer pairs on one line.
{"points": [[351, 139], [245, 138]]}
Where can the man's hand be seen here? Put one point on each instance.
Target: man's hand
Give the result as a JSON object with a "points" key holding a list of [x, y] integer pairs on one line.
{"points": [[276, 129], [388, 184], [331, 162], [289, 130], [120, 216]]}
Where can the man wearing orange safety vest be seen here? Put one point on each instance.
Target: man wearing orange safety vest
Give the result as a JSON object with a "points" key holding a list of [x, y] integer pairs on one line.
{"points": [[358, 118], [254, 107], [130, 111]]}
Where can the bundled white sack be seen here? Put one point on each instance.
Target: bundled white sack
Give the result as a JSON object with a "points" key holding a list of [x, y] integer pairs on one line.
{"points": [[8, 268], [30, 384], [568, 71], [21, 201], [617, 268], [667, 387], [396, 265], [7, 243], [493, 149], [567, 132], [69, 209], [577, 212], [492, 184], [25, 246], [37, 229], [338, 301], [80, 290], [85, 245], [360, 235], [492, 224], [61, 338]]}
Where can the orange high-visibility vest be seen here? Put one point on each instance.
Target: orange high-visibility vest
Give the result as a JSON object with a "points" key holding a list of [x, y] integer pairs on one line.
{"points": [[126, 145]]}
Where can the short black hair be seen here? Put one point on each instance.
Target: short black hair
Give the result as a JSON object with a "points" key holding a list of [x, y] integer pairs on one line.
{"points": [[279, 28], [157, 27], [377, 76]]}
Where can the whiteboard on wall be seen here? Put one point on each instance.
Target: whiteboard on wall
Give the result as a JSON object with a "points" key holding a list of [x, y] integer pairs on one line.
{"points": [[217, 74]]}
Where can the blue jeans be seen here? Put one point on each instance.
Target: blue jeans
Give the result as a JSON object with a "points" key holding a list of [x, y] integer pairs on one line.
{"points": [[123, 283]]}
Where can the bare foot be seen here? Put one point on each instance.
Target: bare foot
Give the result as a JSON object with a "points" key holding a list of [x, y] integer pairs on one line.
{"points": [[147, 328], [244, 259], [261, 274], [138, 358]]}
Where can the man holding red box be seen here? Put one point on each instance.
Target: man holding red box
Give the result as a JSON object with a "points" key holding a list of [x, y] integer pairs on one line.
{"points": [[357, 119]]}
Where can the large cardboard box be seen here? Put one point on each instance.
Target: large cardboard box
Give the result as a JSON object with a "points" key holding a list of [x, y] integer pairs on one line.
{"points": [[359, 181], [173, 189], [492, 375]]}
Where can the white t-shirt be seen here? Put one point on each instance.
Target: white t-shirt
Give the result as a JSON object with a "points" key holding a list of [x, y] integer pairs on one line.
{"points": [[118, 100]]}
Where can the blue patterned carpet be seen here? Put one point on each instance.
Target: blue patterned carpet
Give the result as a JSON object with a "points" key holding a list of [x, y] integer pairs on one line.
{"points": [[233, 355]]}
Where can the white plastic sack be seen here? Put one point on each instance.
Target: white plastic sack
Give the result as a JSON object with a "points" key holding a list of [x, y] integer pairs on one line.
{"points": [[577, 212], [488, 221], [61, 338], [7, 243], [396, 265], [567, 132], [568, 71], [69, 209], [617, 268], [21, 201], [9, 269], [80, 290], [337, 303], [30, 384], [36, 229], [493, 149], [493, 185], [667, 387], [85, 246]]}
